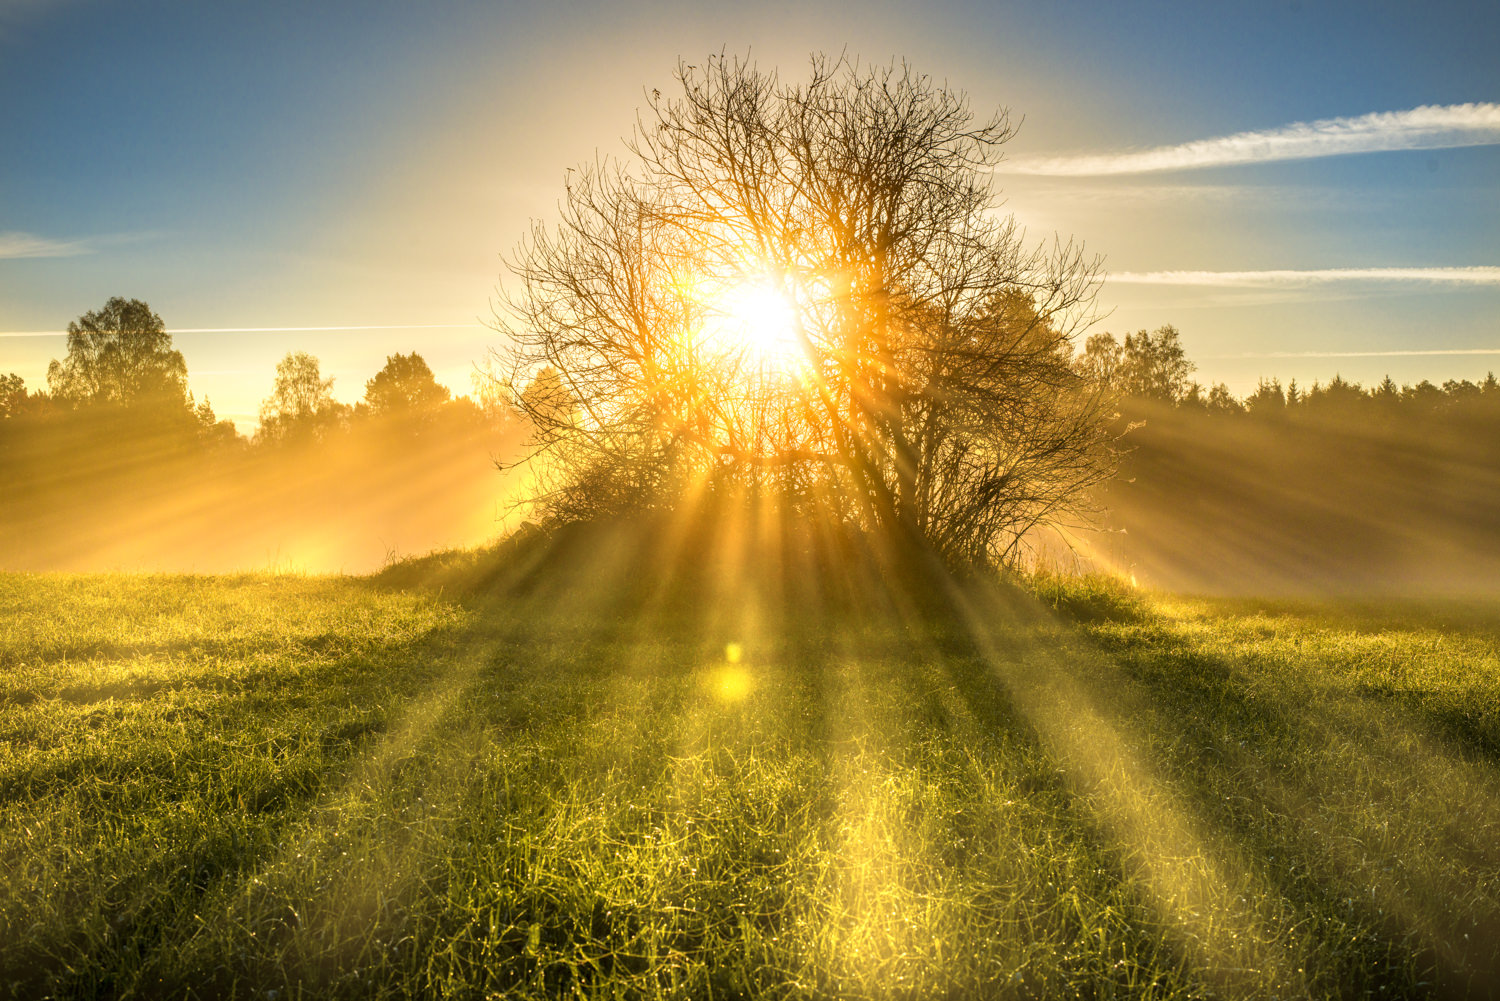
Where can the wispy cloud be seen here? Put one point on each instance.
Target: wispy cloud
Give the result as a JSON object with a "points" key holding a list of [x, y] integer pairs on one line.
{"points": [[1294, 279], [1428, 127], [1365, 354], [15, 245]]}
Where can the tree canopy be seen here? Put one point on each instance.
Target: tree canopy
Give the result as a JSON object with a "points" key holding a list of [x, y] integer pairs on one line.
{"points": [[1146, 365], [120, 354], [804, 288], [405, 387], [13, 395], [301, 406]]}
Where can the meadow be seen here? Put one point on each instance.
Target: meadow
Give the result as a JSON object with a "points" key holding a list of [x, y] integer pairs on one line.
{"points": [[476, 777]]}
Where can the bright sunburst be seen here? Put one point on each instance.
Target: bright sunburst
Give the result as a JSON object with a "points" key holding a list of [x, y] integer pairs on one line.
{"points": [[760, 321]]}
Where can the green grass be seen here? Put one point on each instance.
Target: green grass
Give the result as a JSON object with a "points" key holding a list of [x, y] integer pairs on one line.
{"points": [[277, 787]]}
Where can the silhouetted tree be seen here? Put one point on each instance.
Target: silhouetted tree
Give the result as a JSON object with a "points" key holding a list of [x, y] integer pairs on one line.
{"points": [[929, 393], [405, 388], [301, 406], [1338, 398], [1461, 391], [1154, 366], [212, 430], [1222, 401], [12, 395], [120, 354], [1147, 366], [1268, 398], [1101, 359]]}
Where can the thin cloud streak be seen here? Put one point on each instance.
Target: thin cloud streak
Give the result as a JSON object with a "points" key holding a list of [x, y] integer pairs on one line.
{"points": [[1286, 277], [15, 245], [1363, 354], [274, 330], [1430, 126]]}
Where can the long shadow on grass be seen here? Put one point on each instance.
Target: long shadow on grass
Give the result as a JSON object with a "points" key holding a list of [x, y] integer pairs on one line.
{"points": [[131, 835], [368, 883], [1379, 821], [1234, 803], [579, 788], [821, 815]]}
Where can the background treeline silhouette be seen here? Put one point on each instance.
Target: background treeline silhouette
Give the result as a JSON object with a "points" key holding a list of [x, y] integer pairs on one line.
{"points": [[1334, 486], [1295, 489], [115, 465]]}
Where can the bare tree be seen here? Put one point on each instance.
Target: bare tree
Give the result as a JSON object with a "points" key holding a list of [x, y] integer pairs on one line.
{"points": [[920, 381]]}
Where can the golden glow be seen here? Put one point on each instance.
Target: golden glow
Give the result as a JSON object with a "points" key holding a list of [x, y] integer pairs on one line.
{"points": [[730, 683], [760, 322]]}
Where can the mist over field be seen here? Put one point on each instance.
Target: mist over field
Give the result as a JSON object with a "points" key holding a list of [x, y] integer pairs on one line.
{"points": [[344, 506], [1345, 491], [1353, 501]]}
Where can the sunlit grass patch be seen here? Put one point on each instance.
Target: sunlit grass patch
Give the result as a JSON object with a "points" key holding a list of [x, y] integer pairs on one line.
{"points": [[159, 734], [1350, 749], [322, 787]]}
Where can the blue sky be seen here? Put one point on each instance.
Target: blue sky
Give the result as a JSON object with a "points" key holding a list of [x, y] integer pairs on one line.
{"points": [[365, 165]]}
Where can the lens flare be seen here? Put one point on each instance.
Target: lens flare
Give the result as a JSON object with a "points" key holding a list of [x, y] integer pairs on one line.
{"points": [[759, 321], [730, 684]]}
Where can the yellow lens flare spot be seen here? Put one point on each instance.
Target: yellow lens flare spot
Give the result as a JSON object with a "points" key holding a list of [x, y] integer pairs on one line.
{"points": [[731, 683], [758, 320]]}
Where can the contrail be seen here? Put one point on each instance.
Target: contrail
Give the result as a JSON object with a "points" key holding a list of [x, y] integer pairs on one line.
{"points": [[1484, 275], [1430, 126], [275, 330], [1365, 354]]}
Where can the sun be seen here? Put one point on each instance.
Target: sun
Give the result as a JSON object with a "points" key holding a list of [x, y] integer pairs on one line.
{"points": [[759, 321]]}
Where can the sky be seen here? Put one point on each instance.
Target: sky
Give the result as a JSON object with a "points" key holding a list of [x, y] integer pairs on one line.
{"points": [[1302, 189]]}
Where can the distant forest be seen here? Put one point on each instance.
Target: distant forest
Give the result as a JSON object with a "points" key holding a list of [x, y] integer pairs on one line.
{"points": [[1297, 490], [1333, 485], [115, 465]]}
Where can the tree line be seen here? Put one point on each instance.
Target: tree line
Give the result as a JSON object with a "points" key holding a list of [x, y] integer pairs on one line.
{"points": [[1335, 486], [116, 462], [121, 366], [1153, 367], [1285, 485]]}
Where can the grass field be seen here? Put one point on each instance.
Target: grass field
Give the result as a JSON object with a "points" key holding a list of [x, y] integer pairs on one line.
{"points": [[277, 787]]}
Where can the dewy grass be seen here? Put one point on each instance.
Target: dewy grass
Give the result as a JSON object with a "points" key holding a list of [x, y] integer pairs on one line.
{"points": [[278, 787]]}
